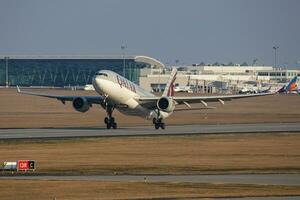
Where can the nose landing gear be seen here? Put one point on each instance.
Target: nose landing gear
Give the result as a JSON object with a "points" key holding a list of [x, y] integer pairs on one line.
{"points": [[109, 120]]}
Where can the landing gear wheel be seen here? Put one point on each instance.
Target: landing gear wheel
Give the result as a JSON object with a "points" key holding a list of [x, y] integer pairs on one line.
{"points": [[154, 121], [112, 120], [156, 126], [162, 125], [106, 120], [158, 123], [114, 125]]}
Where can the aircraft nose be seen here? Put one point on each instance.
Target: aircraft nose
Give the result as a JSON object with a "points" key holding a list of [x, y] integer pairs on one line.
{"points": [[97, 83]]}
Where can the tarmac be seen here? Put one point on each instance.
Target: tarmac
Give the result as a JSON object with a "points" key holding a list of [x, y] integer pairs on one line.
{"points": [[63, 133]]}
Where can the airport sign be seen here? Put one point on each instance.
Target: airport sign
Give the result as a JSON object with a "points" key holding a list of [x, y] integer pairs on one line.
{"points": [[26, 165]]}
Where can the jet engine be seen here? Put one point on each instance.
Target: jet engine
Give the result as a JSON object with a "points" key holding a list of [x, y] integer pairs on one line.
{"points": [[165, 104], [80, 104]]}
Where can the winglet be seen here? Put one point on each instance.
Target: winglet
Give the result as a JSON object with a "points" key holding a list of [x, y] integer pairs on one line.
{"points": [[18, 89]]}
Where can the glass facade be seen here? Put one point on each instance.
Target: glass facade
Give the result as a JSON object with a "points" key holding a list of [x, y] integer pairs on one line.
{"points": [[63, 72]]}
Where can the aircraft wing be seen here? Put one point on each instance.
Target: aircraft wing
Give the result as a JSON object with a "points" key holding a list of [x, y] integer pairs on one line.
{"points": [[63, 99], [189, 109], [222, 98], [150, 102]]}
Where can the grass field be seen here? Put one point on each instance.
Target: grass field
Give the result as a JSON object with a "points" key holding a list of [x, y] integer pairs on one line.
{"points": [[161, 155], [22, 111], [67, 190]]}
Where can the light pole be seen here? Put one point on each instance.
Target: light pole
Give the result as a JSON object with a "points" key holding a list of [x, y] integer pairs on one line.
{"points": [[123, 47], [275, 56], [6, 69]]}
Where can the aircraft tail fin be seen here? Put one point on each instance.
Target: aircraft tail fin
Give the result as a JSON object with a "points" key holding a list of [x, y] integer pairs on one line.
{"points": [[292, 86], [169, 90]]}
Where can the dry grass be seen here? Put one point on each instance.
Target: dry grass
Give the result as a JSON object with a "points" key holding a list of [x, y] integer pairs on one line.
{"points": [[26, 189], [155, 155], [22, 111]]}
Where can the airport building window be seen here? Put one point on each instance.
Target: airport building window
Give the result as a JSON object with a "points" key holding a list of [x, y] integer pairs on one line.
{"points": [[263, 74], [63, 72]]}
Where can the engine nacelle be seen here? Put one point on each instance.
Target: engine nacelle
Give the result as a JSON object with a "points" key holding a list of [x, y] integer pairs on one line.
{"points": [[80, 104], [166, 104]]}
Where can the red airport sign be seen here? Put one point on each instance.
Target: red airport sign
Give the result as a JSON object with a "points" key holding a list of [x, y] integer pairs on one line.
{"points": [[22, 165], [25, 165]]}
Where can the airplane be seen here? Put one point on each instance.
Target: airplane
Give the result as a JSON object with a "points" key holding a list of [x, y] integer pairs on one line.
{"points": [[187, 89], [88, 87], [117, 92], [290, 88], [254, 90]]}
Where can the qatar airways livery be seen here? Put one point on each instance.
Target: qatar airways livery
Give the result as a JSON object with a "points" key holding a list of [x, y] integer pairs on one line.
{"points": [[117, 92]]}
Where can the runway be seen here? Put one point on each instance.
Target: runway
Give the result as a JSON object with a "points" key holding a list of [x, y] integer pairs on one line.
{"points": [[55, 133], [260, 179]]}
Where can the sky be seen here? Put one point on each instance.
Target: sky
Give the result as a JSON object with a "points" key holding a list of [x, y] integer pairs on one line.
{"points": [[190, 31]]}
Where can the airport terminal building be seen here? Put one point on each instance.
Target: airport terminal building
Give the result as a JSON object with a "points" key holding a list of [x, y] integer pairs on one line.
{"points": [[219, 78], [61, 71]]}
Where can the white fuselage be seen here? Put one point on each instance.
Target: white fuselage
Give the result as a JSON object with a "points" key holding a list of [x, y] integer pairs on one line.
{"points": [[124, 93]]}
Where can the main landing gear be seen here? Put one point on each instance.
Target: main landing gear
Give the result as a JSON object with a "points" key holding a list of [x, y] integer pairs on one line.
{"points": [[109, 120], [158, 123]]}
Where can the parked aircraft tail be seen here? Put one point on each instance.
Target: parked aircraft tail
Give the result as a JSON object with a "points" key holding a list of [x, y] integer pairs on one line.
{"points": [[290, 87]]}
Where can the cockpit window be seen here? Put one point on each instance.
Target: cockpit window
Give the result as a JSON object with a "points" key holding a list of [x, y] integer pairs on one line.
{"points": [[101, 74]]}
